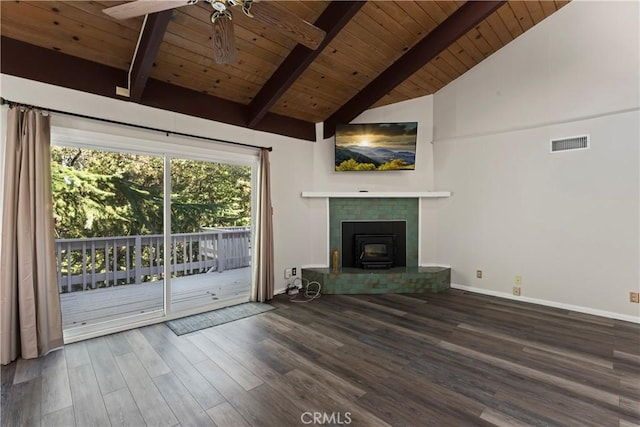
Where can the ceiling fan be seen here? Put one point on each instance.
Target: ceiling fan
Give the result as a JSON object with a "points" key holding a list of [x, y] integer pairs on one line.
{"points": [[281, 20]]}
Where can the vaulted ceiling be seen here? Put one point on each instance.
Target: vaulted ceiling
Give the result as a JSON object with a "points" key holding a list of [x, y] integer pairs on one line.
{"points": [[374, 53]]}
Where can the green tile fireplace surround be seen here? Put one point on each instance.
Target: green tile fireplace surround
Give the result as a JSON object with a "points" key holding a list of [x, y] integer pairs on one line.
{"points": [[409, 279], [375, 209]]}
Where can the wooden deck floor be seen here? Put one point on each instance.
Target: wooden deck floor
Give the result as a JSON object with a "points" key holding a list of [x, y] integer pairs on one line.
{"points": [[450, 359], [100, 305]]}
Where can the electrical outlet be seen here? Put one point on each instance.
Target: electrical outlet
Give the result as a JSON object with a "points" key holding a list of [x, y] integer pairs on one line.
{"points": [[516, 290], [634, 297], [287, 273], [294, 271], [518, 281], [479, 274]]}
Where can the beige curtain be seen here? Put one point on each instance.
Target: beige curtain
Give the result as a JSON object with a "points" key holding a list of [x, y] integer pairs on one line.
{"points": [[31, 323], [265, 278]]}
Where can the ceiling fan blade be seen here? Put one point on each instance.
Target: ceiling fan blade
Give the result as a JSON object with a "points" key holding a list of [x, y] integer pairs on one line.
{"points": [[224, 46], [142, 7], [288, 24]]}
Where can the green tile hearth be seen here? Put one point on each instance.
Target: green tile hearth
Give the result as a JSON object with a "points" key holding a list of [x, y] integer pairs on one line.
{"points": [[398, 280]]}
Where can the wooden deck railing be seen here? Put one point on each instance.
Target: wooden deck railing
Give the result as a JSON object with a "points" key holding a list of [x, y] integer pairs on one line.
{"points": [[109, 261]]}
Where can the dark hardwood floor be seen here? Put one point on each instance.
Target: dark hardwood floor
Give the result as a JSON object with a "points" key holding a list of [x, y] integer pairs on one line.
{"points": [[450, 359]]}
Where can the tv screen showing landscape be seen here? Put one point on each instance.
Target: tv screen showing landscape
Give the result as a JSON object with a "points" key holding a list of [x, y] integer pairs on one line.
{"points": [[376, 147]]}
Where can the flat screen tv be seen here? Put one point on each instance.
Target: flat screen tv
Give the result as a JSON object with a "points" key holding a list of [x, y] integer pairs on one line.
{"points": [[376, 146]]}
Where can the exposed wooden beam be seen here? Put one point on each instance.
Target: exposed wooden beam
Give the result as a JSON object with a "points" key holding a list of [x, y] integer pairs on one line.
{"points": [[332, 20], [455, 26], [48, 66], [146, 52]]}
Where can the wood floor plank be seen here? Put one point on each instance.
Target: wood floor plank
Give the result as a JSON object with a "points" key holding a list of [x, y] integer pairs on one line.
{"points": [[118, 344], [501, 420], [630, 386], [152, 405], [225, 415], [339, 385], [256, 350], [22, 406], [408, 300], [153, 363], [323, 397], [122, 409], [241, 375], [378, 307], [56, 391], [184, 406], [182, 343], [278, 323], [27, 370], [6, 381], [87, 400], [76, 354], [548, 348], [394, 409], [572, 386], [204, 393], [631, 407], [104, 365], [559, 407], [303, 392], [447, 404], [421, 336], [61, 418], [283, 410], [256, 366], [218, 338], [633, 358], [254, 411]]}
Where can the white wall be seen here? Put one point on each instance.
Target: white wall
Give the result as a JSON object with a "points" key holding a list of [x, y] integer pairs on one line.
{"points": [[567, 223], [290, 220], [326, 179]]}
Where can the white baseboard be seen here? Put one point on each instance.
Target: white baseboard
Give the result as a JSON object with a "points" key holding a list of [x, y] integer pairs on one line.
{"points": [[554, 304], [431, 264]]}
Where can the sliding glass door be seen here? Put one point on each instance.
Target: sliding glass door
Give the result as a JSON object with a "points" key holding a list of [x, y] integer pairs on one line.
{"points": [[210, 234], [144, 236], [109, 242]]}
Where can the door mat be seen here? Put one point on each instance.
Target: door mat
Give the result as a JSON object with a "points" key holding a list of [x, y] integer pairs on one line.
{"points": [[196, 322]]}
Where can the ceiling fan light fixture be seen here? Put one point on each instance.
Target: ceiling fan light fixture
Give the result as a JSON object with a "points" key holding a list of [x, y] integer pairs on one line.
{"points": [[219, 6], [246, 7], [218, 14]]}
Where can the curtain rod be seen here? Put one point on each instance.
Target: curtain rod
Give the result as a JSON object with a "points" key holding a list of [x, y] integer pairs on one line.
{"points": [[167, 132]]}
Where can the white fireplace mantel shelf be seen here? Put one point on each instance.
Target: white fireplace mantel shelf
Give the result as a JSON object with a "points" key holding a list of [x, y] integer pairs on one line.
{"points": [[377, 194]]}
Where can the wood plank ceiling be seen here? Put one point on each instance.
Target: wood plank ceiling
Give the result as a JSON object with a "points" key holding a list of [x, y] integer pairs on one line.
{"points": [[301, 87]]}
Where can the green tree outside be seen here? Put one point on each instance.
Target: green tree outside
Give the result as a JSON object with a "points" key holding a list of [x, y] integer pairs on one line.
{"points": [[101, 193]]}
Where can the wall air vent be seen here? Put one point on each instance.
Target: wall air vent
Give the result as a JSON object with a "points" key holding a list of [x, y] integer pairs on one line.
{"points": [[569, 144]]}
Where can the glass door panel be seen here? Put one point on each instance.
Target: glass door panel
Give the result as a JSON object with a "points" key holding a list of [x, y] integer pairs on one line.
{"points": [[108, 213], [210, 234]]}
